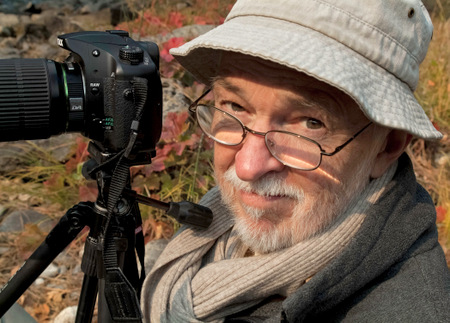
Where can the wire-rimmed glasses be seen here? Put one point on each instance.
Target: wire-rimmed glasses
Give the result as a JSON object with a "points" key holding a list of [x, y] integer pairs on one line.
{"points": [[289, 148]]}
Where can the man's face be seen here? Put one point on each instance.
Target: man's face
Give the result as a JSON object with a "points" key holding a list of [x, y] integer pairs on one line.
{"points": [[276, 206]]}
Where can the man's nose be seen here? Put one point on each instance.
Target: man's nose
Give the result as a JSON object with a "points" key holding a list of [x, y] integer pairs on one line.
{"points": [[254, 160]]}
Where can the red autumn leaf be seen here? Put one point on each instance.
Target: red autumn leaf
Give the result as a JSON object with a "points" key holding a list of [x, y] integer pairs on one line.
{"points": [[176, 19], [152, 19], [436, 126], [174, 125], [157, 165], [440, 213], [171, 43], [179, 147]]}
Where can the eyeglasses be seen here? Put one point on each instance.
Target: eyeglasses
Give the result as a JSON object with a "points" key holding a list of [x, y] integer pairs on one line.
{"points": [[289, 148]]}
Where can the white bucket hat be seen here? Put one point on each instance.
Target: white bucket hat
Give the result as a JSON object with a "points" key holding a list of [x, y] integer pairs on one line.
{"points": [[369, 49]]}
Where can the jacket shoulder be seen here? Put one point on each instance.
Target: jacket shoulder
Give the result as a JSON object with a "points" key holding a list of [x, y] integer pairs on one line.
{"points": [[414, 290]]}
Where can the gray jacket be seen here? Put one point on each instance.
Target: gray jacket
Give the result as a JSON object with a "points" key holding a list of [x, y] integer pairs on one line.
{"points": [[393, 271]]}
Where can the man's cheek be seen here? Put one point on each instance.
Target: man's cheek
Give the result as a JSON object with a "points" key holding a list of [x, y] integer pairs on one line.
{"points": [[223, 158]]}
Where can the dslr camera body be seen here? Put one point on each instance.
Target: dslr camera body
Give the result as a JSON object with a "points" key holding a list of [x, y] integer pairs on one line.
{"points": [[96, 91]]}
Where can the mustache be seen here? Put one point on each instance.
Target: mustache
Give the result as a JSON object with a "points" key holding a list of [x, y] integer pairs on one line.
{"points": [[268, 185]]}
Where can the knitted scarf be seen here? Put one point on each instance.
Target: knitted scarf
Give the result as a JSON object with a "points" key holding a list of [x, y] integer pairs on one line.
{"points": [[204, 276]]}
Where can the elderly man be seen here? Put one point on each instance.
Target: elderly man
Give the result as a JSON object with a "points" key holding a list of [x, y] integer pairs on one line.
{"points": [[317, 214]]}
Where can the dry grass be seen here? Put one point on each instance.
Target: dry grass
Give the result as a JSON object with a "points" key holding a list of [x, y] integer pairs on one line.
{"points": [[432, 159]]}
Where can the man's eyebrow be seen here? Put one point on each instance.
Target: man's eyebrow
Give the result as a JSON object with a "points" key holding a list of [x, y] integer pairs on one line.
{"points": [[315, 98], [319, 100], [222, 82]]}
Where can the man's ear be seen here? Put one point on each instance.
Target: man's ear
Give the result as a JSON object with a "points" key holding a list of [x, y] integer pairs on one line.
{"points": [[395, 144]]}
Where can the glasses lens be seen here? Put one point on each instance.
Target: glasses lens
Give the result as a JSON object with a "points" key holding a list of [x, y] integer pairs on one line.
{"points": [[219, 125], [293, 150]]}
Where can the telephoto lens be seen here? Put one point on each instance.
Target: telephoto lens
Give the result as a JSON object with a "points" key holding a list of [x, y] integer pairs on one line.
{"points": [[39, 98]]}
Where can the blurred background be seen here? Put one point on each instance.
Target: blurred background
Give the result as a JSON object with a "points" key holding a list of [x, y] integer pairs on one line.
{"points": [[41, 179]]}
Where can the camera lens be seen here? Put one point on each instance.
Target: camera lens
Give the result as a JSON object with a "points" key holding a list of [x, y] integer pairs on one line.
{"points": [[39, 98]]}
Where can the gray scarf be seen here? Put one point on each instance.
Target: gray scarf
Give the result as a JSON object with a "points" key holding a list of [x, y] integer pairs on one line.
{"points": [[203, 276]]}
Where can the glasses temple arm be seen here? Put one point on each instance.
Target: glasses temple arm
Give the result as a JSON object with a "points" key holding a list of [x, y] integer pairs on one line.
{"points": [[339, 148], [195, 103]]}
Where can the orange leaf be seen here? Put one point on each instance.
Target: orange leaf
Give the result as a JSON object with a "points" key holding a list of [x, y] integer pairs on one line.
{"points": [[431, 83], [440, 214], [55, 296], [42, 310]]}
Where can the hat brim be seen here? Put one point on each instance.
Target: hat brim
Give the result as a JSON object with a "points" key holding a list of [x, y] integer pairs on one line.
{"points": [[382, 97]]}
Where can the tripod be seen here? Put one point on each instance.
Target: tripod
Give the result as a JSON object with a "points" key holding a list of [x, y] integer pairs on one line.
{"points": [[115, 237]]}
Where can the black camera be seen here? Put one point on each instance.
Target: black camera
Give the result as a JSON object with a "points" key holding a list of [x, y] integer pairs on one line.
{"points": [[106, 81]]}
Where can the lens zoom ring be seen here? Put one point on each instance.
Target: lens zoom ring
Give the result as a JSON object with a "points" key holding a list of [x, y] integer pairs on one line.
{"points": [[24, 95]]}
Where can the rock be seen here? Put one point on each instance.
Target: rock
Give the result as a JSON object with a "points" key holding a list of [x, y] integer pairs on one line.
{"points": [[16, 220], [30, 9], [173, 98], [442, 159], [9, 20], [186, 32], [192, 31], [8, 52], [2, 210], [39, 281], [6, 31], [77, 269], [62, 269], [3, 250], [51, 271], [67, 315], [36, 32]]}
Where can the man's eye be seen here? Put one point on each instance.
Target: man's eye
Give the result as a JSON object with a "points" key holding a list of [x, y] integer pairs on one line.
{"points": [[232, 107], [314, 124]]}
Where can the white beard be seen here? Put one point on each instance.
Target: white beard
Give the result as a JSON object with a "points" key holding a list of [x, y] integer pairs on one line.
{"points": [[310, 215]]}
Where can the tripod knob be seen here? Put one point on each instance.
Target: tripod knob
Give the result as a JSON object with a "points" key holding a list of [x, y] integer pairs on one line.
{"points": [[189, 213]]}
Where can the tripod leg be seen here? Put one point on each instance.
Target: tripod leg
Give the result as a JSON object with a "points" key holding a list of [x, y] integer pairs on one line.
{"points": [[59, 238], [86, 303]]}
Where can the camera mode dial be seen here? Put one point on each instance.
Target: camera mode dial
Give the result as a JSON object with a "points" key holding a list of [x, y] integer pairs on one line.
{"points": [[134, 55]]}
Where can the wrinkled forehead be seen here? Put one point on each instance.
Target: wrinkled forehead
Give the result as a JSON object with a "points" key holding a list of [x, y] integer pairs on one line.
{"points": [[267, 73]]}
